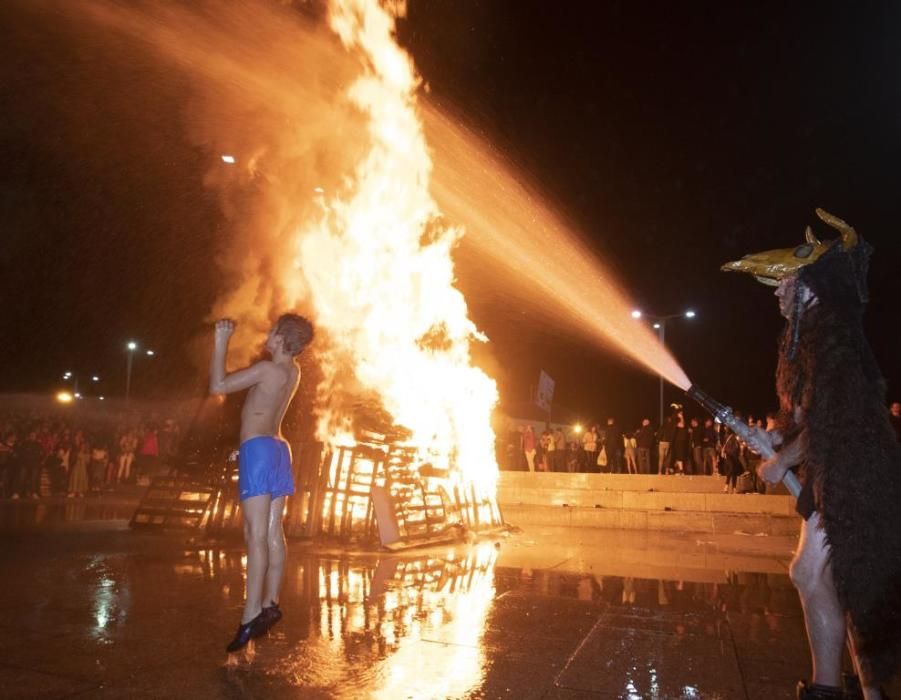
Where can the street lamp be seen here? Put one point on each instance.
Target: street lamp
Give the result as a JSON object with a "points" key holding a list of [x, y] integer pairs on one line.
{"points": [[659, 324], [131, 346]]}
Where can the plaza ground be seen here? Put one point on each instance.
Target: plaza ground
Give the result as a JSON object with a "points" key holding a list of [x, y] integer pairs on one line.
{"points": [[94, 610]]}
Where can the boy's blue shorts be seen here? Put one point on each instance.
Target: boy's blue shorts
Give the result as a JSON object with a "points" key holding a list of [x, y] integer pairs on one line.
{"points": [[264, 466]]}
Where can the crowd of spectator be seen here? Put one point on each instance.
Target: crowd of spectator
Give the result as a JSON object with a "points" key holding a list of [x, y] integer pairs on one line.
{"points": [[680, 446], [43, 454]]}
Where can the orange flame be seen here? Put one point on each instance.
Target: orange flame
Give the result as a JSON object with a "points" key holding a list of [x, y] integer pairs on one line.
{"points": [[378, 269]]}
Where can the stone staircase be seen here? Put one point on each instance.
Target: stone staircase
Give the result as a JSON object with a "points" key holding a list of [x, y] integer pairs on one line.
{"points": [[642, 502]]}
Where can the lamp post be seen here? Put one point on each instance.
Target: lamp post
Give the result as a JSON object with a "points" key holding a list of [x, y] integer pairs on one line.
{"points": [[659, 324], [131, 346]]}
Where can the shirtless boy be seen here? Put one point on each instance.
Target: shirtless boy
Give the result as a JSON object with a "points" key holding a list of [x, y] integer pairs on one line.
{"points": [[265, 477]]}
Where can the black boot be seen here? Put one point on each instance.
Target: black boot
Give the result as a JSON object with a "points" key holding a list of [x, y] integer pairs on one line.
{"points": [[853, 691], [268, 618], [814, 691], [245, 633]]}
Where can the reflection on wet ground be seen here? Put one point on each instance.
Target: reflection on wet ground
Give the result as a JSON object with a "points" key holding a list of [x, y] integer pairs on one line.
{"points": [[30, 514], [110, 613]]}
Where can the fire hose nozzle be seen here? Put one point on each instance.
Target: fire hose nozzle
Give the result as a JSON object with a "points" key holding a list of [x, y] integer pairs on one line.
{"points": [[724, 415]]}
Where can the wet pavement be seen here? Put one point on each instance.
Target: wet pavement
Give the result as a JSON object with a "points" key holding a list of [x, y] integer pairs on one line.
{"points": [[93, 610]]}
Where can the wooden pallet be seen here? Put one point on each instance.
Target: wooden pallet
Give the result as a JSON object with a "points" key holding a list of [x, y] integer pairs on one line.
{"points": [[371, 492], [173, 502], [341, 507]]}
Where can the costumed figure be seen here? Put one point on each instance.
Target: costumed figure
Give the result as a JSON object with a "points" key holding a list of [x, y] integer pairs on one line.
{"points": [[833, 422]]}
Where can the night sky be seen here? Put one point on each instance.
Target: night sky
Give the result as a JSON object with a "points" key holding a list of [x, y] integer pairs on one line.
{"points": [[675, 137]]}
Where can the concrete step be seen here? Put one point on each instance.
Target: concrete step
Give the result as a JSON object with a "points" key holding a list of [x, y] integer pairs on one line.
{"points": [[719, 523], [653, 501], [612, 482], [626, 501]]}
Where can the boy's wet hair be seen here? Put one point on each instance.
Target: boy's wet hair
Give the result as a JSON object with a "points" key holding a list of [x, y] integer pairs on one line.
{"points": [[296, 332]]}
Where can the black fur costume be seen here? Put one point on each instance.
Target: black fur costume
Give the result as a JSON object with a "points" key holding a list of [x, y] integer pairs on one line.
{"points": [[853, 459]]}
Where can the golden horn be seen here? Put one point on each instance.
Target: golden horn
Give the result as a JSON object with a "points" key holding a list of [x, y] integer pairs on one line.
{"points": [[849, 235], [810, 238]]}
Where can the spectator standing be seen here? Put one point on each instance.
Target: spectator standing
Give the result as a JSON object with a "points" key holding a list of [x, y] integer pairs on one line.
{"points": [[645, 439], [169, 438], [590, 448], [516, 460], [665, 435], [894, 415], [559, 451], [64, 465], [696, 439], [30, 458], [753, 460], [681, 452], [722, 432], [78, 477], [545, 453], [708, 447], [64, 453], [128, 443], [97, 470], [630, 443], [529, 445], [613, 440], [47, 439], [731, 463], [150, 451], [573, 457]]}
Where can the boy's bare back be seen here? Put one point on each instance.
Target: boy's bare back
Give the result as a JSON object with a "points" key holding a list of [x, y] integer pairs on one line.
{"points": [[271, 383], [267, 401]]}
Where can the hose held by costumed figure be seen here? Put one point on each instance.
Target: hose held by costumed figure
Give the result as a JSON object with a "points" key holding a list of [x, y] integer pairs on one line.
{"points": [[724, 415]]}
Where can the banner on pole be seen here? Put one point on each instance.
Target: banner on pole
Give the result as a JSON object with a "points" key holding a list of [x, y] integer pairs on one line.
{"points": [[545, 394]]}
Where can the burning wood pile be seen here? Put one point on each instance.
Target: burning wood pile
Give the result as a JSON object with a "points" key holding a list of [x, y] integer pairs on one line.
{"points": [[369, 257], [377, 488]]}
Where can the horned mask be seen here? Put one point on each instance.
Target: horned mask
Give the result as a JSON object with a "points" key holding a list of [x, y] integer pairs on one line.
{"points": [[770, 266]]}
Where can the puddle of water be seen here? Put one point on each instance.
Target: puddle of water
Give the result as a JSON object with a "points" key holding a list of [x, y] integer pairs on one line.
{"points": [[443, 623], [33, 514], [437, 626]]}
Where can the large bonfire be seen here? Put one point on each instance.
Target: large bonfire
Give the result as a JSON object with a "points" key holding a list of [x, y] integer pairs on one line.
{"points": [[379, 273]]}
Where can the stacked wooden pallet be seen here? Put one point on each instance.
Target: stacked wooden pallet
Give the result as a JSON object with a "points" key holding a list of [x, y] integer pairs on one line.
{"points": [[174, 502]]}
